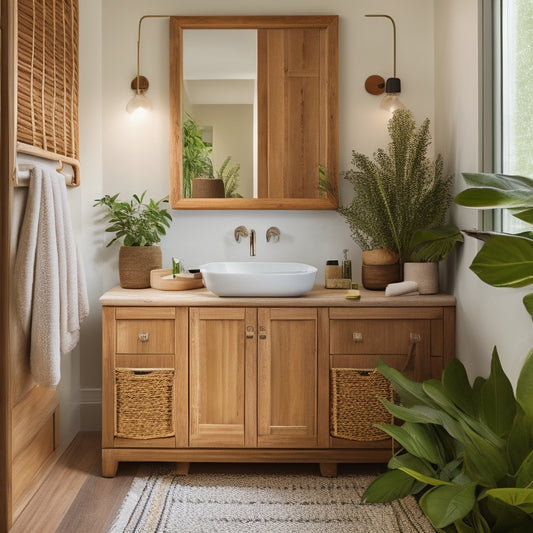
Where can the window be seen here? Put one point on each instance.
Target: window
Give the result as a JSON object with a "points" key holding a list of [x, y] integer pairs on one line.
{"points": [[513, 93]]}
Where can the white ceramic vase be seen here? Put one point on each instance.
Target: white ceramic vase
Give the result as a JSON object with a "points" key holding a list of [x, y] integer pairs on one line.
{"points": [[426, 276]]}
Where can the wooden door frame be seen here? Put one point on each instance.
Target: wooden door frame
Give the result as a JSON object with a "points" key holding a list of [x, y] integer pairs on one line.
{"points": [[7, 99]]}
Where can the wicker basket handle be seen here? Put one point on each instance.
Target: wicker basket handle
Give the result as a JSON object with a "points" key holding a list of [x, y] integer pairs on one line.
{"points": [[414, 339]]}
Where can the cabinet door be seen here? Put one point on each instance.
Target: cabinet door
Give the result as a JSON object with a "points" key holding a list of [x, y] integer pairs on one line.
{"points": [[287, 377], [222, 377]]}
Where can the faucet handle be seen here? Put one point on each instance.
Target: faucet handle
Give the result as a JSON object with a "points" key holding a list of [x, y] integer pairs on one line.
{"points": [[240, 231], [273, 233]]}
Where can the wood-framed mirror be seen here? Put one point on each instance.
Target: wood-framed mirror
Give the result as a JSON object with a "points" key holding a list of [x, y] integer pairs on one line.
{"points": [[279, 106]]}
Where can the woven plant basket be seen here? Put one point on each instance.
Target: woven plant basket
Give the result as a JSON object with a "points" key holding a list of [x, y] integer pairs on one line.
{"points": [[356, 406], [135, 264], [144, 400]]}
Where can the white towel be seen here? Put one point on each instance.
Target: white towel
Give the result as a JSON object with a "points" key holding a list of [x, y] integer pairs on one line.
{"points": [[401, 288], [50, 290]]}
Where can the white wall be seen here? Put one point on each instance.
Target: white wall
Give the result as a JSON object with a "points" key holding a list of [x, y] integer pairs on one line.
{"points": [[486, 316], [121, 156]]}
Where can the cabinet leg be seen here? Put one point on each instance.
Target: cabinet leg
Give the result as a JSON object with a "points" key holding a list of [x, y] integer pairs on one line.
{"points": [[109, 464], [182, 469], [328, 469]]}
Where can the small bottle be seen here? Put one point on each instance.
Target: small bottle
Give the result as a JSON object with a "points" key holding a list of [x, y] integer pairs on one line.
{"points": [[346, 266], [333, 270]]}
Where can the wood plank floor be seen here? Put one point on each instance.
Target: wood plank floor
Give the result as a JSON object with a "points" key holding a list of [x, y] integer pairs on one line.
{"points": [[75, 498]]}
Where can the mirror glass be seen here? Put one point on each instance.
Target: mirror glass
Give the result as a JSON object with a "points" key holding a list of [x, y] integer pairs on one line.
{"points": [[219, 94], [253, 105]]}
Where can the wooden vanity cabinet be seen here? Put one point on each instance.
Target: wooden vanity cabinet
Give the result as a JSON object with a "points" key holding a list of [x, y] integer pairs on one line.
{"points": [[251, 383]]}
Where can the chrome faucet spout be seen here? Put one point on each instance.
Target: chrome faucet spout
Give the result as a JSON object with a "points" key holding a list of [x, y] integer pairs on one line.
{"points": [[252, 242]]}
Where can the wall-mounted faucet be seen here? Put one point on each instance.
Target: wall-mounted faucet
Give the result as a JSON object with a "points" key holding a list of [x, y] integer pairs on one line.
{"points": [[273, 234], [242, 231]]}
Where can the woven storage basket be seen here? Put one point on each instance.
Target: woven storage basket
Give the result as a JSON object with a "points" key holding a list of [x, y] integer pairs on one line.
{"points": [[144, 400], [355, 404]]}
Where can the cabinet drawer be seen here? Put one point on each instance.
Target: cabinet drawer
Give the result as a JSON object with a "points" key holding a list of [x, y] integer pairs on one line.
{"points": [[379, 337], [145, 336]]}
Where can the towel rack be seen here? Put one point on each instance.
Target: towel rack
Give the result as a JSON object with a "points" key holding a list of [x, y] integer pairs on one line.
{"points": [[21, 172]]}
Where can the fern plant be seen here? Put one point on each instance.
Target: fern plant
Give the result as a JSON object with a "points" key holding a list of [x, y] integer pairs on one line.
{"points": [[399, 191], [230, 177]]}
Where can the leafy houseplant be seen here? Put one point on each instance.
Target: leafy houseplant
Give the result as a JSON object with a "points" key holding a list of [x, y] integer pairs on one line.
{"points": [[427, 248], [196, 156], [397, 192], [199, 178], [479, 455], [230, 177], [505, 260], [139, 225], [467, 450]]}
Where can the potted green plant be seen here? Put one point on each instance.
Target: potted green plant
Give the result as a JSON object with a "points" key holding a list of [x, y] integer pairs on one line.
{"points": [[427, 248], [140, 225], [197, 164], [397, 193], [468, 450]]}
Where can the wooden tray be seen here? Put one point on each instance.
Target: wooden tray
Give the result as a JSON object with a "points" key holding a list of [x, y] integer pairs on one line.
{"points": [[179, 283]]}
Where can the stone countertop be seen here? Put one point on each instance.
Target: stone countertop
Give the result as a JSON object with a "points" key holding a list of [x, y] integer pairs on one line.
{"points": [[318, 297]]}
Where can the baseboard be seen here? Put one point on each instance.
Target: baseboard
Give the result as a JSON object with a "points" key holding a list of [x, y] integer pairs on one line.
{"points": [[91, 409]]}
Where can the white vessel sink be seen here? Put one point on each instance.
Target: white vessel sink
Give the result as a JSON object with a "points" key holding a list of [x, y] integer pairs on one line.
{"points": [[259, 279]]}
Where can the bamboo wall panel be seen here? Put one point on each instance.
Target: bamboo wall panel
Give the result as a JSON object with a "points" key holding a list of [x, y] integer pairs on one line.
{"points": [[47, 85]]}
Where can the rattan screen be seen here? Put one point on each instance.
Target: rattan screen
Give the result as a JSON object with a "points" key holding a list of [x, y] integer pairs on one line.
{"points": [[47, 101]]}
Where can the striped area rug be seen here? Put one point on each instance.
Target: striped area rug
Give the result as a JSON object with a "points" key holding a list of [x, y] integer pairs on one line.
{"points": [[260, 503]]}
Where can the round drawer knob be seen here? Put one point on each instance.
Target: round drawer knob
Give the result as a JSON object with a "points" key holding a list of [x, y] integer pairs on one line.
{"points": [[143, 337]]}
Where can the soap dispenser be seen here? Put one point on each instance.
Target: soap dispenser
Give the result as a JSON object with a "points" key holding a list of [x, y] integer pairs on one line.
{"points": [[346, 266]]}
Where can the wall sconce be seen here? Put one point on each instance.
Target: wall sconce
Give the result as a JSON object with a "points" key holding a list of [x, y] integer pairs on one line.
{"points": [[375, 84], [140, 84]]}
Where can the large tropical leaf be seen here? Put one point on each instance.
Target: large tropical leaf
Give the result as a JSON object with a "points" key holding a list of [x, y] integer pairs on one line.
{"points": [[434, 244], [524, 386], [436, 392], [524, 475], [528, 303], [498, 405], [520, 440], [419, 440], [526, 215], [410, 392], [484, 463], [496, 190], [505, 518], [445, 504], [428, 480], [517, 497], [422, 414], [390, 486], [505, 261], [407, 460], [457, 386]]}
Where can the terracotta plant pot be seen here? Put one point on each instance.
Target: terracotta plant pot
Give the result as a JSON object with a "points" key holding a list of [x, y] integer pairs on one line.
{"points": [[135, 264], [207, 188], [426, 276]]}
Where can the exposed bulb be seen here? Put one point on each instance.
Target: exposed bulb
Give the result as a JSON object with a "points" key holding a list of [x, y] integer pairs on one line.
{"points": [[139, 102], [391, 102]]}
